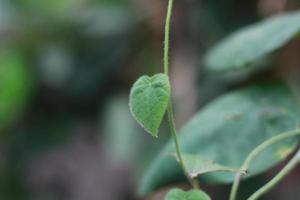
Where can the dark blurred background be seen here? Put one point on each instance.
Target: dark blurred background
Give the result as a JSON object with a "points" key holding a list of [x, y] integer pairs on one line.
{"points": [[66, 67]]}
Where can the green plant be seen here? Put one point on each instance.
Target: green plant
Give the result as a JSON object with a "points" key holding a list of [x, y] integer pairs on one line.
{"points": [[259, 123], [15, 86]]}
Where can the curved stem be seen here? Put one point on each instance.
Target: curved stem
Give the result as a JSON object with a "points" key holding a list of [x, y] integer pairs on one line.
{"points": [[281, 175], [254, 154], [193, 182], [171, 120]]}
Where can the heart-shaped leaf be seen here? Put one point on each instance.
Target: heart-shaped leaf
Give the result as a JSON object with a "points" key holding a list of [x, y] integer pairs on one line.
{"points": [[253, 42], [197, 165], [177, 194], [227, 130], [149, 99]]}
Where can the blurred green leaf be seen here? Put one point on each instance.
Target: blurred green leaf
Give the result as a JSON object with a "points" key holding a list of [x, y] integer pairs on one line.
{"points": [[15, 85], [121, 136], [115, 2], [227, 130], [54, 8], [253, 42], [197, 165], [149, 99], [177, 194]]}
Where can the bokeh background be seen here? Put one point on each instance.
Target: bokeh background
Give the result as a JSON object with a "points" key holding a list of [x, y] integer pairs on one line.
{"points": [[66, 67]]}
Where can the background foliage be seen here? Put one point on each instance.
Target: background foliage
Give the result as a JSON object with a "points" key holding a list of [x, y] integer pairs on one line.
{"points": [[66, 67]]}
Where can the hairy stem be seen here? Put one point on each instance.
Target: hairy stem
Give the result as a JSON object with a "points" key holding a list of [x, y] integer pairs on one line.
{"points": [[167, 36], [171, 119], [193, 182], [254, 154], [281, 175]]}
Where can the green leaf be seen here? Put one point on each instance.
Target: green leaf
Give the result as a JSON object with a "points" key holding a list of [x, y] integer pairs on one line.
{"points": [[120, 135], [177, 194], [197, 165], [227, 130], [59, 9], [253, 42], [15, 86], [149, 99]]}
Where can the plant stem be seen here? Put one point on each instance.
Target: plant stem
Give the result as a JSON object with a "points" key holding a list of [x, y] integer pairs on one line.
{"points": [[281, 175], [193, 182], [254, 154], [171, 119], [167, 37]]}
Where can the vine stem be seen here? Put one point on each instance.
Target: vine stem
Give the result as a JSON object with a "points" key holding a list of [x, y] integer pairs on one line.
{"points": [[281, 175], [171, 118], [254, 154], [167, 37]]}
